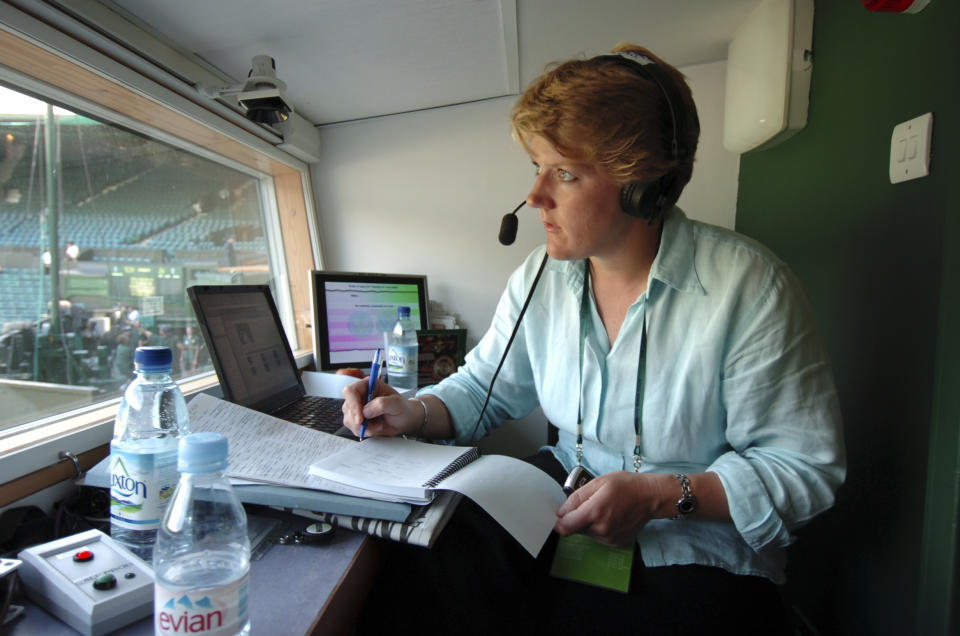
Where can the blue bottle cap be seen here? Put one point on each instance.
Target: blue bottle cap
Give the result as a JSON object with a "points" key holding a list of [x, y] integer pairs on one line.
{"points": [[202, 453], [153, 358], [403, 312]]}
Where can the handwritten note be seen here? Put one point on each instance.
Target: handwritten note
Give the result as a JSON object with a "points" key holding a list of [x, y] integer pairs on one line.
{"points": [[267, 449], [393, 465]]}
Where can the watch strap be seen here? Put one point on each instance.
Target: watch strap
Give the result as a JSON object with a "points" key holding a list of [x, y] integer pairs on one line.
{"points": [[687, 503]]}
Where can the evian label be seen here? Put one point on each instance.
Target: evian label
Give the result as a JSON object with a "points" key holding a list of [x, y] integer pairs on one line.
{"points": [[141, 485], [219, 611]]}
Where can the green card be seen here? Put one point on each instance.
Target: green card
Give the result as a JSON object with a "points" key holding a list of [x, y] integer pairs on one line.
{"points": [[584, 559]]}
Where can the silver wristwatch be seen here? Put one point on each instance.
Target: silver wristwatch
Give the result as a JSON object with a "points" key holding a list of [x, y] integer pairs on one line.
{"points": [[687, 503]]}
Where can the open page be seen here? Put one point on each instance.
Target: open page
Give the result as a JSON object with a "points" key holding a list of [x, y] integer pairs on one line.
{"points": [[521, 497], [393, 465]]}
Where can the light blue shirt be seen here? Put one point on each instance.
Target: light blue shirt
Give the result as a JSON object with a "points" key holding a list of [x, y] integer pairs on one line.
{"points": [[738, 383]]}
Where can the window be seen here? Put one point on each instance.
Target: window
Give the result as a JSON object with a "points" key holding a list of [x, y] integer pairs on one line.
{"points": [[152, 198], [111, 226]]}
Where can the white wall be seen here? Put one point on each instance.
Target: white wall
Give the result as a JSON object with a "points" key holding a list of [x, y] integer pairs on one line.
{"points": [[424, 193], [711, 195]]}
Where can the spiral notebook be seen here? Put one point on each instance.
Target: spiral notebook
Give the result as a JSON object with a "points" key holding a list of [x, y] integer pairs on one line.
{"points": [[395, 467]]}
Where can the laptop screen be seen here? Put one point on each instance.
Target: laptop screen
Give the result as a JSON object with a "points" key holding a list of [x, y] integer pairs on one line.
{"points": [[247, 344], [352, 311]]}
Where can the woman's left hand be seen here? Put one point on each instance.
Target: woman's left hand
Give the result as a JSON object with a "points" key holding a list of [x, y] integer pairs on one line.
{"points": [[613, 508]]}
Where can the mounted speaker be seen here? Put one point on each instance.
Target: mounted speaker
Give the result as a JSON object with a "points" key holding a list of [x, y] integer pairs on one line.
{"points": [[769, 66]]}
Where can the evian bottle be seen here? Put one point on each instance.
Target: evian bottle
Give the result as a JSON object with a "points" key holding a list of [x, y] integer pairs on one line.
{"points": [[202, 556]]}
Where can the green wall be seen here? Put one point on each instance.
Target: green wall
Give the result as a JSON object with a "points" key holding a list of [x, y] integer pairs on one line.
{"points": [[881, 264]]}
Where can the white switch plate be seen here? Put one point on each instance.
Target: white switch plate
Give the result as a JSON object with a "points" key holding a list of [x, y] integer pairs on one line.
{"points": [[910, 149]]}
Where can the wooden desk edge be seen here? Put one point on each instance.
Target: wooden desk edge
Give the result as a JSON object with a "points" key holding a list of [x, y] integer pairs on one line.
{"points": [[339, 614]]}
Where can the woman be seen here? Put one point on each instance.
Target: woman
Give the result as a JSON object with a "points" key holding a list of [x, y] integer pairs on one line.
{"points": [[679, 362]]}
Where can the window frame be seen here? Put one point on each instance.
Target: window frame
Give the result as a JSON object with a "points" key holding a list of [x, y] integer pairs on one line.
{"points": [[61, 69]]}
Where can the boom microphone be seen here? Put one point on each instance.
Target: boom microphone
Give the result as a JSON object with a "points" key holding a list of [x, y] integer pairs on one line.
{"points": [[508, 226]]}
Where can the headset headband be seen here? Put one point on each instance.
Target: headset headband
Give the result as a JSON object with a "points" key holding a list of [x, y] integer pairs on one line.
{"points": [[651, 69], [642, 60]]}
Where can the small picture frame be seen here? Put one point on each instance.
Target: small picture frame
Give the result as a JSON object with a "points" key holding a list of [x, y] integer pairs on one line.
{"points": [[441, 352]]}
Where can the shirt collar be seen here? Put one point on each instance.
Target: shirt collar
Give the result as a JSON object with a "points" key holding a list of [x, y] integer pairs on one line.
{"points": [[674, 264]]}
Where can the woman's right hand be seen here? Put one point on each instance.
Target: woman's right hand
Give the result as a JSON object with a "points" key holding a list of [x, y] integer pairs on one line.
{"points": [[388, 413]]}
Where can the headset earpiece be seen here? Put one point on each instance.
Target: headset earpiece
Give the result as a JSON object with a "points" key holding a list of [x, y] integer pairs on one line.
{"points": [[645, 201], [630, 196]]}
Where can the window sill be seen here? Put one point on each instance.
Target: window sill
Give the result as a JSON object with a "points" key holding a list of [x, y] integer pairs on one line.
{"points": [[30, 460]]}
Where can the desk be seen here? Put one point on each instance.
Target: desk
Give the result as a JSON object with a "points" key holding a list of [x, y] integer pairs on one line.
{"points": [[294, 589]]}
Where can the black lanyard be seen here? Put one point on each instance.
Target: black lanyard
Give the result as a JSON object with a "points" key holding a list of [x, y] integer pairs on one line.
{"points": [[641, 376]]}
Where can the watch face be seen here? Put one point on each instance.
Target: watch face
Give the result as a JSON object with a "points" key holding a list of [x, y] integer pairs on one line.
{"points": [[686, 506]]}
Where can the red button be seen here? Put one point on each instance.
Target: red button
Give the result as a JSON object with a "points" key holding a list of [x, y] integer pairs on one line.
{"points": [[83, 555]]}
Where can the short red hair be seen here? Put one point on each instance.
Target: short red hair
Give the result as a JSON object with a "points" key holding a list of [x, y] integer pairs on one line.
{"points": [[604, 110]]}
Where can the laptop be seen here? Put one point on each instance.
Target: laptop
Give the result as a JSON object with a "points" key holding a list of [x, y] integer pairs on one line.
{"points": [[250, 352]]}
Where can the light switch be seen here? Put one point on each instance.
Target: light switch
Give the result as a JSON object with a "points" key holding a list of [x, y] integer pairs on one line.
{"points": [[910, 149], [912, 145]]}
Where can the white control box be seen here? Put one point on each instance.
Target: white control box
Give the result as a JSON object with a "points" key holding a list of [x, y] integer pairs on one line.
{"points": [[89, 581], [7, 567]]}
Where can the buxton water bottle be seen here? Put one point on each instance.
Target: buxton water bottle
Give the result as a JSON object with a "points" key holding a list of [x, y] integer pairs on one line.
{"points": [[402, 352], [202, 558], [143, 453]]}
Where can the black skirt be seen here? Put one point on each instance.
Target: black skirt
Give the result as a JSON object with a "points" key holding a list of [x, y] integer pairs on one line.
{"points": [[478, 580]]}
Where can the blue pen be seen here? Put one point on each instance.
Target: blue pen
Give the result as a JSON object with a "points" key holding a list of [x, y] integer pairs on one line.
{"points": [[374, 373]]}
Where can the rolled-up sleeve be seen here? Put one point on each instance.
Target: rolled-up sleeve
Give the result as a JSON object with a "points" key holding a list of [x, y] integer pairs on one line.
{"points": [[783, 417]]}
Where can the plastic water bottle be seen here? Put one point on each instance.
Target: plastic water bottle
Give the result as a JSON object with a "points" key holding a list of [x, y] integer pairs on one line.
{"points": [[143, 453], [202, 557], [402, 352]]}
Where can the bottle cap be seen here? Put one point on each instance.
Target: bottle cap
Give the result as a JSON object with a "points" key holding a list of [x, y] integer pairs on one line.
{"points": [[153, 358], [202, 453], [403, 312]]}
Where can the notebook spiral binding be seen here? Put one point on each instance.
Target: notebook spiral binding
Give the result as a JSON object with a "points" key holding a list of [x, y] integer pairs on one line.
{"points": [[454, 466]]}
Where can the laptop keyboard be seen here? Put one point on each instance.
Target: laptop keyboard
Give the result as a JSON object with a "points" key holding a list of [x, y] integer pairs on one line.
{"points": [[320, 413]]}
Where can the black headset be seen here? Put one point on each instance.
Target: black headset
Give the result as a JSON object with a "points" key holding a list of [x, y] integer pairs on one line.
{"points": [[648, 200]]}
